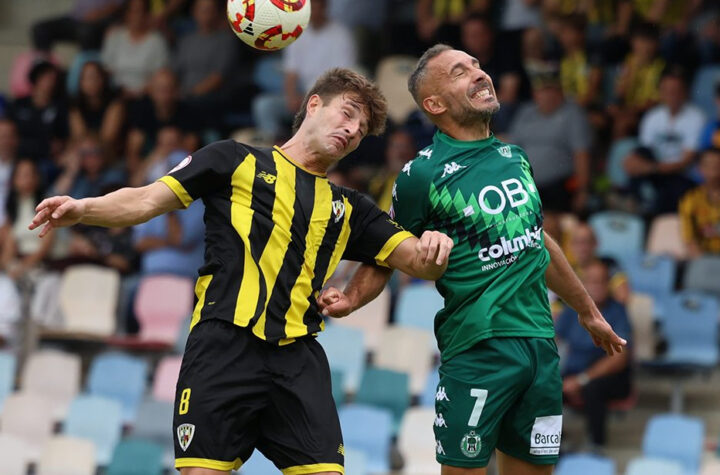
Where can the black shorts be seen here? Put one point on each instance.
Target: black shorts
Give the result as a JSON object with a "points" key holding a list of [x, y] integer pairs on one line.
{"points": [[237, 393]]}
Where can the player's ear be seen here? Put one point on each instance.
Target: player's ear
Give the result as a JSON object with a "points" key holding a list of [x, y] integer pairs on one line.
{"points": [[314, 103], [434, 105]]}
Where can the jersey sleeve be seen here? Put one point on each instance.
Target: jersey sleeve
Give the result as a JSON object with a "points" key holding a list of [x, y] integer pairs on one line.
{"points": [[411, 199], [373, 234], [203, 172]]}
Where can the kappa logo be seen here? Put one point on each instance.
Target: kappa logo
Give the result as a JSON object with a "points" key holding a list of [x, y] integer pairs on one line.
{"points": [[451, 168], [471, 444], [505, 151], [440, 420], [440, 395], [427, 153], [185, 433], [338, 209], [406, 168], [439, 448], [269, 179]]}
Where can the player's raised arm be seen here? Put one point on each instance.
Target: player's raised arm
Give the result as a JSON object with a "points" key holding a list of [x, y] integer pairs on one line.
{"points": [[124, 207], [424, 258]]}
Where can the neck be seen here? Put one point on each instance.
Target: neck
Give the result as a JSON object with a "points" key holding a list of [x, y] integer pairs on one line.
{"points": [[41, 99], [298, 148], [467, 132]]}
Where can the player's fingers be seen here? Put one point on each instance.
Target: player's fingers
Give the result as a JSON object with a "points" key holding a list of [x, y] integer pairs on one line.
{"points": [[433, 245], [60, 211], [48, 227], [40, 218], [49, 203], [336, 310], [445, 248]]}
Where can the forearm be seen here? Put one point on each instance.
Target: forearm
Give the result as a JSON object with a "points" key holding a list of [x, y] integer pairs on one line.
{"points": [[608, 365], [366, 284], [126, 207], [562, 280]]}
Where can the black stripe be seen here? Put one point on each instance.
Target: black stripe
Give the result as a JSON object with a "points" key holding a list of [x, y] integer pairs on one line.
{"points": [[279, 302], [312, 316]]}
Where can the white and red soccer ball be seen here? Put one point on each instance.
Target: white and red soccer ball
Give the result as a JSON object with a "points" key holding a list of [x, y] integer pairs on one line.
{"points": [[268, 24]]}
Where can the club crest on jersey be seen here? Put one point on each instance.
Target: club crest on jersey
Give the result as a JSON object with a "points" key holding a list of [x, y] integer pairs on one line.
{"points": [[185, 433], [338, 209], [505, 151], [471, 444]]}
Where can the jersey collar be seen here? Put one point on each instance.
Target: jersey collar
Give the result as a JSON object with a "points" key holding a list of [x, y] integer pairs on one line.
{"points": [[443, 137]]}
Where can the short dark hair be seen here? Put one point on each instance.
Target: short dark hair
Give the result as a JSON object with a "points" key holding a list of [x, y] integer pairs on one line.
{"points": [[575, 21], [338, 81], [418, 75], [39, 68]]}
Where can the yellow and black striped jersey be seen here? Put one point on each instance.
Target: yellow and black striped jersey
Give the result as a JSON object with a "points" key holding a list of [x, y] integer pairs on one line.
{"points": [[275, 233]]}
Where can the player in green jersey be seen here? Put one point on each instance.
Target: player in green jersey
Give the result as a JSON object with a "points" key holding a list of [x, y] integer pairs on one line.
{"points": [[500, 387]]}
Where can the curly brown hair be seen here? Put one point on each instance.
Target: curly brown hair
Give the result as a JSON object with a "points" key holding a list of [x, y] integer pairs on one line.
{"points": [[338, 81]]}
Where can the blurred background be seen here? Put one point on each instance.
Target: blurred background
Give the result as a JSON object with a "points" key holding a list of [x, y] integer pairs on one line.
{"points": [[615, 101]]}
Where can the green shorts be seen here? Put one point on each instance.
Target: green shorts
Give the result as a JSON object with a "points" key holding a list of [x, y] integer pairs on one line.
{"points": [[503, 393]]}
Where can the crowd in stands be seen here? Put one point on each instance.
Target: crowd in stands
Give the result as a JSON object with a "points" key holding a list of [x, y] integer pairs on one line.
{"points": [[616, 102]]}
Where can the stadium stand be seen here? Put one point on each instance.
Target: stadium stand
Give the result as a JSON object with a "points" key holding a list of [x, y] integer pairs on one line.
{"points": [[67, 455], [98, 419]]}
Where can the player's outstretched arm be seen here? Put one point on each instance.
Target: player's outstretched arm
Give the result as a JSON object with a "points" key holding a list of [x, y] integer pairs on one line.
{"points": [[366, 283], [424, 258], [562, 280], [124, 207]]}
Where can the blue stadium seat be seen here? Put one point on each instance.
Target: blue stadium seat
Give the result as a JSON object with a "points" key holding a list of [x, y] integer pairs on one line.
{"points": [[369, 430], [7, 375], [136, 457], [585, 464], [98, 419], [121, 377], [355, 462], [645, 466], [417, 306], [703, 89], [346, 353], [427, 398], [154, 423], [258, 464], [702, 274], [690, 325], [675, 437], [619, 235], [648, 274], [386, 389], [616, 156], [337, 379]]}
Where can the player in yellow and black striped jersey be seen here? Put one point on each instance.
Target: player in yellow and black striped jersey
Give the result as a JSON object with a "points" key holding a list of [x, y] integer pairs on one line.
{"points": [[253, 375]]}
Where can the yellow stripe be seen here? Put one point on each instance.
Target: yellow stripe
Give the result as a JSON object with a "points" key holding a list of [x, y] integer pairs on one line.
{"points": [[207, 463], [241, 216], [279, 241], [314, 468], [201, 286], [341, 242], [178, 189], [390, 246], [322, 209]]}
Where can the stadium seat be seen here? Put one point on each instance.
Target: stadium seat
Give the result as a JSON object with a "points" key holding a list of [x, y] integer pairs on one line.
{"points": [[55, 375], [417, 306], [646, 466], [675, 437], [710, 466], [703, 89], [136, 457], [392, 74], [702, 274], [619, 235], [98, 419], [7, 375], [640, 312], [650, 274], [369, 430], [585, 464], [408, 350], [355, 462], [338, 391], [67, 456], [88, 300], [665, 237], [427, 398], [15, 455], [120, 377], [416, 442], [258, 464], [345, 350], [371, 319], [162, 304], [28, 417], [166, 377], [387, 389], [10, 307], [154, 423], [616, 156], [690, 326]]}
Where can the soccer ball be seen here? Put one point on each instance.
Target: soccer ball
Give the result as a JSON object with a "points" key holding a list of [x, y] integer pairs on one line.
{"points": [[268, 24]]}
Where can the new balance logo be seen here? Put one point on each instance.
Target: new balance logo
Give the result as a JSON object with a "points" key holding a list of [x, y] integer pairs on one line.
{"points": [[341, 450], [451, 168], [440, 420], [440, 394], [439, 448], [269, 179]]}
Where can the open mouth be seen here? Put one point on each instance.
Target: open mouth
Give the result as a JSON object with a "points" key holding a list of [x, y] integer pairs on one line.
{"points": [[341, 140], [482, 94]]}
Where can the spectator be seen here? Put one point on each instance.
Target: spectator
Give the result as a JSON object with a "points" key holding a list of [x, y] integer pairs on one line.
{"points": [[86, 170], [700, 209], [161, 108], [133, 51], [167, 153], [41, 118], [590, 377], [22, 251], [580, 73], [96, 109], [366, 20], [400, 150], [203, 59], [556, 136], [84, 24], [8, 156], [438, 21], [325, 44], [710, 136], [669, 135]]}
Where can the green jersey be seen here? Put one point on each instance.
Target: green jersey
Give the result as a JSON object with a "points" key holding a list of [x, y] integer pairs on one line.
{"points": [[482, 194]]}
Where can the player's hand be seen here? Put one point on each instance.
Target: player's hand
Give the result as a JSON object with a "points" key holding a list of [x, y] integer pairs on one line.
{"points": [[601, 332], [57, 212], [334, 303], [434, 246]]}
